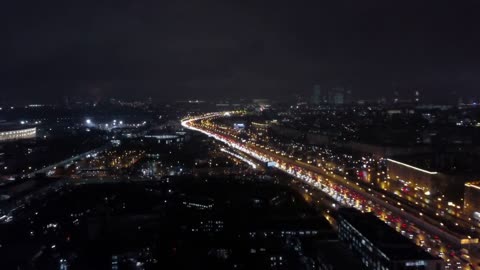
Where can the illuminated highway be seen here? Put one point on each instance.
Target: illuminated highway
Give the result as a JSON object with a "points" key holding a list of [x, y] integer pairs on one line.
{"points": [[408, 219]]}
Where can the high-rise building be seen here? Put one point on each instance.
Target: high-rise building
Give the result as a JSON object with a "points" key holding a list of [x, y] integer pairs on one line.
{"points": [[417, 97], [471, 200], [317, 95], [336, 96], [396, 96], [348, 97], [339, 98]]}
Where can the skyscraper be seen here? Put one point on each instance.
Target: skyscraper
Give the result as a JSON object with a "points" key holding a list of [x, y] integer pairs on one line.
{"points": [[396, 96], [417, 96], [336, 96], [317, 95], [472, 200]]}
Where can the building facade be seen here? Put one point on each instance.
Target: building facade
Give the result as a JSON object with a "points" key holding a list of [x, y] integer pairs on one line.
{"points": [[471, 201], [11, 134], [379, 246]]}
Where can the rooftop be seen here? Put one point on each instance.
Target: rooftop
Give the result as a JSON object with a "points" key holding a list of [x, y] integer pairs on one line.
{"points": [[383, 237], [12, 127], [412, 167], [475, 184]]}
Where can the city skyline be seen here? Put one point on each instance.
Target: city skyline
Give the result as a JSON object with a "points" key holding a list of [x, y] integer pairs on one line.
{"points": [[276, 135]]}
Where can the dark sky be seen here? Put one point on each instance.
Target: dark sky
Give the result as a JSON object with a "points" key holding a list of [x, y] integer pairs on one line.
{"points": [[207, 48]]}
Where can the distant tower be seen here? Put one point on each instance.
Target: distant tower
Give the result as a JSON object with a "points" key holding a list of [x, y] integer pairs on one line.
{"points": [[348, 97], [66, 102], [336, 96], [317, 95], [396, 96], [417, 96]]}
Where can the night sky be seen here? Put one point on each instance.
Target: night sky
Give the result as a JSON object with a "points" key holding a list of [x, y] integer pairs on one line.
{"points": [[219, 49]]}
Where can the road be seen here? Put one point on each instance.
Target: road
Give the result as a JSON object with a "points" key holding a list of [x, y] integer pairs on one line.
{"points": [[69, 161], [431, 232]]}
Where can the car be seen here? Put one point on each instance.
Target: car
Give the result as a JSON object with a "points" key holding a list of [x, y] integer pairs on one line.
{"points": [[465, 258]]}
